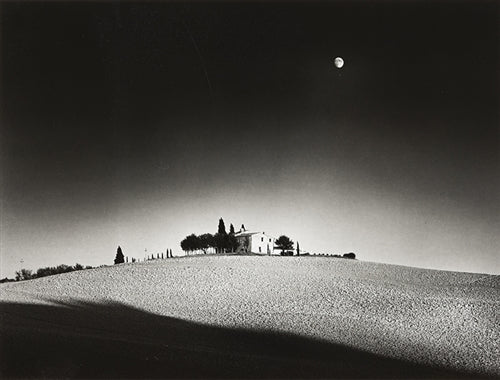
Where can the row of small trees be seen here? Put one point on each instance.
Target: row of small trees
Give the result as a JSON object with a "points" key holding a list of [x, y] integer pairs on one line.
{"points": [[159, 256], [221, 242], [27, 274], [120, 258], [218, 242]]}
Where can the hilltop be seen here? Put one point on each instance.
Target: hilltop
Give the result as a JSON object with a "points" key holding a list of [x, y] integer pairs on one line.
{"points": [[232, 316]]}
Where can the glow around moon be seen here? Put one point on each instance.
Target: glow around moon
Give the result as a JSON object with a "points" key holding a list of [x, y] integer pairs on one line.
{"points": [[339, 62]]}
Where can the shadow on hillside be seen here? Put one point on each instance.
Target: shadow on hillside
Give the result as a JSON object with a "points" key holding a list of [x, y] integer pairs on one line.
{"points": [[114, 340]]}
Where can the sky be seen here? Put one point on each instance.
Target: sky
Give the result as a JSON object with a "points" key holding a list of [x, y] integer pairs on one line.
{"points": [[138, 124]]}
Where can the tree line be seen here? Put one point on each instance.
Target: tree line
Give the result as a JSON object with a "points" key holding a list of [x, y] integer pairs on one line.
{"points": [[28, 274], [220, 242], [120, 258]]}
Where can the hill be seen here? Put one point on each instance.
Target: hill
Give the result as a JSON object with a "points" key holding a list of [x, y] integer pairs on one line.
{"points": [[232, 316]]}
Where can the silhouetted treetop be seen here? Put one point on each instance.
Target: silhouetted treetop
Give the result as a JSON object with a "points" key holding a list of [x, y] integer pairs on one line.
{"points": [[284, 243], [222, 227], [119, 256]]}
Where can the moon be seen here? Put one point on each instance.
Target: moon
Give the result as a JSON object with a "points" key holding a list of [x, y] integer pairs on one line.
{"points": [[339, 62]]}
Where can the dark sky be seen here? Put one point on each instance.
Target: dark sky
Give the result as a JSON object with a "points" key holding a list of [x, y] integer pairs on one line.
{"points": [[137, 124]]}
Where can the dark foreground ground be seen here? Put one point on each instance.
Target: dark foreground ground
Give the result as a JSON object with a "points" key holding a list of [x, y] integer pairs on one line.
{"points": [[251, 317], [113, 340]]}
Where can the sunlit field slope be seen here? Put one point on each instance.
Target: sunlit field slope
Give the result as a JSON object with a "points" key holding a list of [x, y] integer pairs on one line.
{"points": [[229, 316]]}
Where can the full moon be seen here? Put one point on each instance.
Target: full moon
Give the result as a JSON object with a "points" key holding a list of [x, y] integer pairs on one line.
{"points": [[339, 62]]}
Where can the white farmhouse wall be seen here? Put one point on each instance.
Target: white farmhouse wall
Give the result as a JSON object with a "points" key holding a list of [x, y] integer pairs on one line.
{"points": [[262, 243], [255, 242]]}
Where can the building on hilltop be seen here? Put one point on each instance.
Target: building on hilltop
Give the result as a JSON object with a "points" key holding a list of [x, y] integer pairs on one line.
{"points": [[254, 242]]}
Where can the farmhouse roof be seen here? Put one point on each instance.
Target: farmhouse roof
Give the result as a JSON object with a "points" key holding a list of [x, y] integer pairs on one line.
{"points": [[246, 233]]}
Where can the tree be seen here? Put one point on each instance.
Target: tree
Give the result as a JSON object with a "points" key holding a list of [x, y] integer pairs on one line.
{"points": [[222, 228], [194, 242], [220, 242], [206, 241], [298, 249], [231, 229], [191, 243], [284, 243], [232, 242], [119, 256], [184, 245]]}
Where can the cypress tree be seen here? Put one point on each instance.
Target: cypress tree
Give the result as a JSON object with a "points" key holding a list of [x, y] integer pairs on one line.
{"points": [[222, 227], [119, 256]]}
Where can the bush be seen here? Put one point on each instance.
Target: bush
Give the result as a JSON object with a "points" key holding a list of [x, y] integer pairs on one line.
{"points": [[42, 272], [63, 268], [349, 255], [24, 274]]}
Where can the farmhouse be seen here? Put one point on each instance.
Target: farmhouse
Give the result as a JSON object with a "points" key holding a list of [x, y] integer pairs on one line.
{"points": [[254, 242]]}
